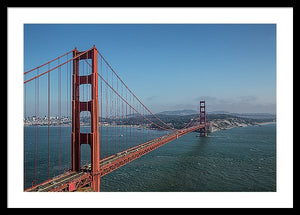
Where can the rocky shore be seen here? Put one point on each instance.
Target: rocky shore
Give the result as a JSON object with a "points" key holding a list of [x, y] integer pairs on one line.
{"points": [[223, 124]]}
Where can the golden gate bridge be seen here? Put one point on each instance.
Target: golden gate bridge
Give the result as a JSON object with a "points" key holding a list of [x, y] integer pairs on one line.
{"points": [[86, 122]]}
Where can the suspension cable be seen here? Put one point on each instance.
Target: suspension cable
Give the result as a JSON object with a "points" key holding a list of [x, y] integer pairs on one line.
{"points": [[129, 104], [77, 56], [132, 92], [48, 62]]}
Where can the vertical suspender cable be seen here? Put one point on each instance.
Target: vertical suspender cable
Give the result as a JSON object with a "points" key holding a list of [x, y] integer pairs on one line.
{"points": [[48, 121], [129, 122], [67, 108], [58, 117], [79, 111], [87, 96], [101, 109], [126, 118], [136, 127], [112, 113], [35, 81], [84, 113], [117, 116], [25, 125], [35, 131], [142, 123], [107, 114], [60, 143], [70, 112], [35, 125], [38, 116], [123, 121]]}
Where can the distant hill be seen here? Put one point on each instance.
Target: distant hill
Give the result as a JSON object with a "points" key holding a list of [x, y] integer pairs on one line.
{"points": [[255, 115], [247, 115], [243, 115], [178, 112], [219, 112]]}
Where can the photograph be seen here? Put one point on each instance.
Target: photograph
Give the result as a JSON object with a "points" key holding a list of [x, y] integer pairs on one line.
{"points": [[149, 107], [163, 107]]}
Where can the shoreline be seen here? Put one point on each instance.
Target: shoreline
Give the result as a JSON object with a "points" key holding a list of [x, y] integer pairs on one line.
{"points": [[266, 123], [215, 125], [239, 125], [84, 126]]}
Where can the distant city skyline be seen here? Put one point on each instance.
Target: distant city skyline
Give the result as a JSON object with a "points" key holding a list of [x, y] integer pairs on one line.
{"points": [[173, 66]]}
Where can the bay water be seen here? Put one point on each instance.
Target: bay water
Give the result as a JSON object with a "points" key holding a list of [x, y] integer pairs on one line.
{"points": [[235, 160]]}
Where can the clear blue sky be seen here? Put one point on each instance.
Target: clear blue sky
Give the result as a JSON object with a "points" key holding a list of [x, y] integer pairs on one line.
{"points": [[173, 66]]}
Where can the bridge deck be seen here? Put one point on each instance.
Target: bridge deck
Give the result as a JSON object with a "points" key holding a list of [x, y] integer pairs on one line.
{"points": [[107, 165]]}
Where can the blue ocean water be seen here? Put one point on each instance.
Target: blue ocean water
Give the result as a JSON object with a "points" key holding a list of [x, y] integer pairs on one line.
{"points": [[239, 159]]}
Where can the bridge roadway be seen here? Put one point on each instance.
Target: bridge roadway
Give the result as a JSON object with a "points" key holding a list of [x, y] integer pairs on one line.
{"points": [[107, 165]]}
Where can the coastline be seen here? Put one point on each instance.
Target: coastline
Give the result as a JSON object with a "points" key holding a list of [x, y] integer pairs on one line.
{"points": [[224, 125], [266, 123], [214, 125]]}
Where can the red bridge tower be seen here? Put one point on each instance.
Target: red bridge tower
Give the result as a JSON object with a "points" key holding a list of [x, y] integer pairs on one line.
{"points": [[92, 138], [202, 119]]}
